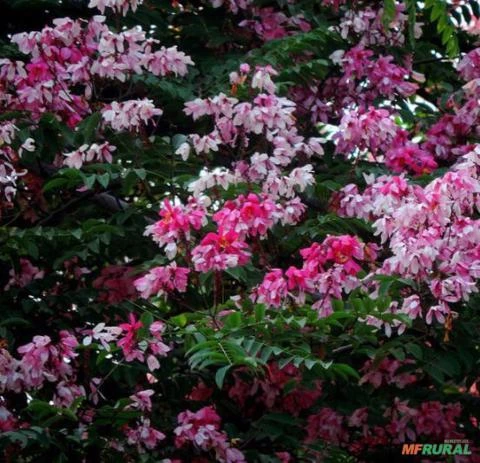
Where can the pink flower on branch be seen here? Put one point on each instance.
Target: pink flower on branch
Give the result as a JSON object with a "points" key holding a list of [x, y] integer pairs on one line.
{"points": [[219, 251]]}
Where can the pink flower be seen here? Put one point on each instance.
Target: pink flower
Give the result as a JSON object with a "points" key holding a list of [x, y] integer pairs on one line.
{"points": [[369, 130], [469, 65], [128, 342], [219, 251], [41, 360], [129, 115], [411, 306], [115, 284], [28, 273], [385, 373], [438, 312], [160, 281], [118, 6], [326, 425], [102, 333], [144, 436], [8, 422], [262, 79], [142, 400], [342, 250], [410, 157], [89, 153], [201, 392], [176, 223], [66, 394], [274, 25], [273, 290], [358, 418], [202, 429], [248, 215], [436, 419], [284, 457]]}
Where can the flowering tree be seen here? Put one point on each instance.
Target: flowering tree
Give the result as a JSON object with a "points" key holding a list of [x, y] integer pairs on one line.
{"points": [[239, 231]]}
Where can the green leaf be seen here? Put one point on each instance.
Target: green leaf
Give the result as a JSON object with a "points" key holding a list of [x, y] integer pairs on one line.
{"points": [[87, 129], [220, 375], [141, 173], [345, 370], [179, 320], [55, 183], [104, 179], [415, 350], [389, 11], [260, 311], [412, 16], [233, 321], [89, 180]]}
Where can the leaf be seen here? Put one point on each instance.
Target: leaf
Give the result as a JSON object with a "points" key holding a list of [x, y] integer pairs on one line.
{"points": [[260, 311], [398, 353], [54, 184], [389, 11], [141, 173], [415, 350], [435, 373], [146, 319], [88, 127], [233, 321], [104, 179], [345, 370], [179, 320], [14, 321], [448, 33], [412, 16], [89, 180], [220, 375]]}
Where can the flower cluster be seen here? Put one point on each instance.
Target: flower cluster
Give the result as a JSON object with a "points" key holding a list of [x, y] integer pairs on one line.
{"points": [[367, 24], [10, 173], [81, 52], [370, 130], [144, 436], [328, 269], [236, 124], [89, 153], [273, 24], [432, 419], [248, 216], [118, 6], [429, 231], [406, 156], [279, 389], [115, 284], [161, 280], [219, 251], [42, 361], [365, 77], [385, 373], [202, 429], [176, 224], [130, 115], [135, 348], [28, 272]]}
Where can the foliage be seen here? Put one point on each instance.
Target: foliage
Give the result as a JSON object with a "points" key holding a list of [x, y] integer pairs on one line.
{"points": [[238, 230]]}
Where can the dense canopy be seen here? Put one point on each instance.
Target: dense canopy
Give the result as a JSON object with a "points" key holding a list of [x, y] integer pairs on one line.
{"points": [[239, 230]]}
